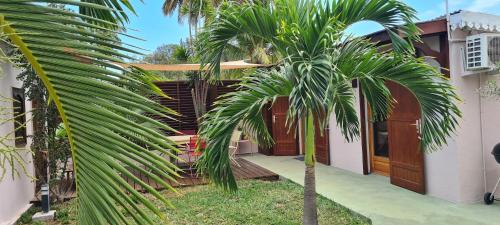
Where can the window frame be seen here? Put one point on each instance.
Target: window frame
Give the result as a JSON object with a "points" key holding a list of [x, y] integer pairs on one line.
{"points": [[21, 135]]}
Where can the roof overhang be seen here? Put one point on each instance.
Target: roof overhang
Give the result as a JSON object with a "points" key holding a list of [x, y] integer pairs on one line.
{"points": [[426, 28], [232, 65], [467, 20]]}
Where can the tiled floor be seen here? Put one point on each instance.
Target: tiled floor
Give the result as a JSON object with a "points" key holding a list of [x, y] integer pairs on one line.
{"points": [[374, 197]]}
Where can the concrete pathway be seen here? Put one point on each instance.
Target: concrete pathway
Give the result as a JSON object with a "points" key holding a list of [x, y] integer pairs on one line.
{"points": [[374, 197]]}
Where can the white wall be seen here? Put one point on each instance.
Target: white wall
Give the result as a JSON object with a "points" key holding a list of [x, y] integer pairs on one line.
{"points": [[454, 173], [343, 154], [441, 167], [478, 131], [15, 194], [490, 121], [441, 172]]}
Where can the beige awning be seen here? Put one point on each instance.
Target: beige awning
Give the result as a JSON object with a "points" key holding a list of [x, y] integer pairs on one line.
{"points": [[194, 67]]}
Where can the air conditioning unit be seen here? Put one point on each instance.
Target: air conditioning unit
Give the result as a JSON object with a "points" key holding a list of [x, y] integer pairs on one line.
{"points": [[482, 51]]}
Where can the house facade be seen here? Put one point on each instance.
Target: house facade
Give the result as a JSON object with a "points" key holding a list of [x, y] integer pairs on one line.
{"points": [[15, 194], [464, 169]]}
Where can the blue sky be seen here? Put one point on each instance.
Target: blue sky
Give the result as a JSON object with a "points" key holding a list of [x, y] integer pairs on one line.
{"points": [[156, 29]]}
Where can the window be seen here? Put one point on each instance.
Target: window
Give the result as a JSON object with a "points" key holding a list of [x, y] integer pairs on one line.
{"points": [[19, 116], [381, 140]]}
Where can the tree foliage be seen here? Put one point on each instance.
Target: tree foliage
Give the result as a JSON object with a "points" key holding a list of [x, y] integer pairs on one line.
{"points": [[74, 54], [318, 63]]}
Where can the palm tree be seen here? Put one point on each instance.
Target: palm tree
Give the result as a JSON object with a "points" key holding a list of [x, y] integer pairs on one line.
{"points": [[318, 63], [200, 12], [75, 54], [194, 10], [171, 6]]}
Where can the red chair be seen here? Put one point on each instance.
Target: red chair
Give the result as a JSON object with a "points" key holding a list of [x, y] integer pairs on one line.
{"points": [[194, 149]]}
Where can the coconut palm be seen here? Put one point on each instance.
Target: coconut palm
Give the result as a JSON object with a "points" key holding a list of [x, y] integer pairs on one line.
{"points": [[75, 56], [171, 6], [193, 10], [317, 65], [199, 12]]}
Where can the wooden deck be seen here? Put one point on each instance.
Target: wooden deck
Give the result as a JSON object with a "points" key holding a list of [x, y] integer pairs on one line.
{"points": [[245, 170]]}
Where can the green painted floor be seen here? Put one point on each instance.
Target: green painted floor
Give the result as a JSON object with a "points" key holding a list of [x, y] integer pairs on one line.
{"points": [[374, 197]]}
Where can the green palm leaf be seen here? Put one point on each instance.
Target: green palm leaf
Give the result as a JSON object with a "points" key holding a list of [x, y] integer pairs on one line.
{"points": [[319, 63], [359, 59], [74, 54], [113, 12], [242, 108]]}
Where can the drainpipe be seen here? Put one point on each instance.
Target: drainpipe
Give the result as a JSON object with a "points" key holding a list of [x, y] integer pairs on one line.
{"points": [[448, 30], [481, 133]]}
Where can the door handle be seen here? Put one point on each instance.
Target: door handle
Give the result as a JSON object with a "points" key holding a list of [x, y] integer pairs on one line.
{"points": [[418, 125], [274, 118]]}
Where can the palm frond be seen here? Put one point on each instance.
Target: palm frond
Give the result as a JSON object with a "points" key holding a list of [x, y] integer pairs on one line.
{"points": [[234, 21], [341, 101], [113, 11], [436, 96], [98, 102], [395, 16], [320, 62], [169, 6], [242, 108]]}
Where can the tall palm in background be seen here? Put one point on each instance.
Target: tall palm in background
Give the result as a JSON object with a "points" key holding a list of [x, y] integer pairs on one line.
{"points": [[318, 63], [74, 54], [253, 48], [194, 10], [172, 6], [201, 12]]}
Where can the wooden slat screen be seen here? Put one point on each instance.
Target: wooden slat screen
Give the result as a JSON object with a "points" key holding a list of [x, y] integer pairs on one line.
{"points": [[182, 101], [220, 89]]}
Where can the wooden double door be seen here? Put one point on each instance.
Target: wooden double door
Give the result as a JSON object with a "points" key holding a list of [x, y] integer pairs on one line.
{"points": [[286, 141], [395, 144]]}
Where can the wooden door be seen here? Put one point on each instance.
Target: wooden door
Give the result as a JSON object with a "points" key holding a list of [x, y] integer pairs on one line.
{"points": [[285, 142], [267, 115], [322, 145], [405, 156]]}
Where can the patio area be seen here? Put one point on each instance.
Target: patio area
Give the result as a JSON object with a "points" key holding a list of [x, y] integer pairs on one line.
{"points": [[242, 169], [374, 197]]}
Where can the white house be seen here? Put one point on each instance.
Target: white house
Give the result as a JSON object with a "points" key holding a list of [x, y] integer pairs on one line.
{"points": [[15, 194], [464, 169]]}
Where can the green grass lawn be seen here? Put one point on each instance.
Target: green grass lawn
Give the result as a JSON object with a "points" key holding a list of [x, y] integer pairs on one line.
{"points": [[256, 202]]}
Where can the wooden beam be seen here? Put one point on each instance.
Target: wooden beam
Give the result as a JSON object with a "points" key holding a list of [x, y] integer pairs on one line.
{"points": [[426, 28], [193, 67]]}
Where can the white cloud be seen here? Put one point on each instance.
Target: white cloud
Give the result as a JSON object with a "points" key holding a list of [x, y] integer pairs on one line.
{"points": [[481, 5]]}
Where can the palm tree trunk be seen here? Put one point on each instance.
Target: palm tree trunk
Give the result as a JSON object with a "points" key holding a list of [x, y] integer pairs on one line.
{"points": [[199, 94], [198, 18], [195, 28], [310, 210], [190, 25]]}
